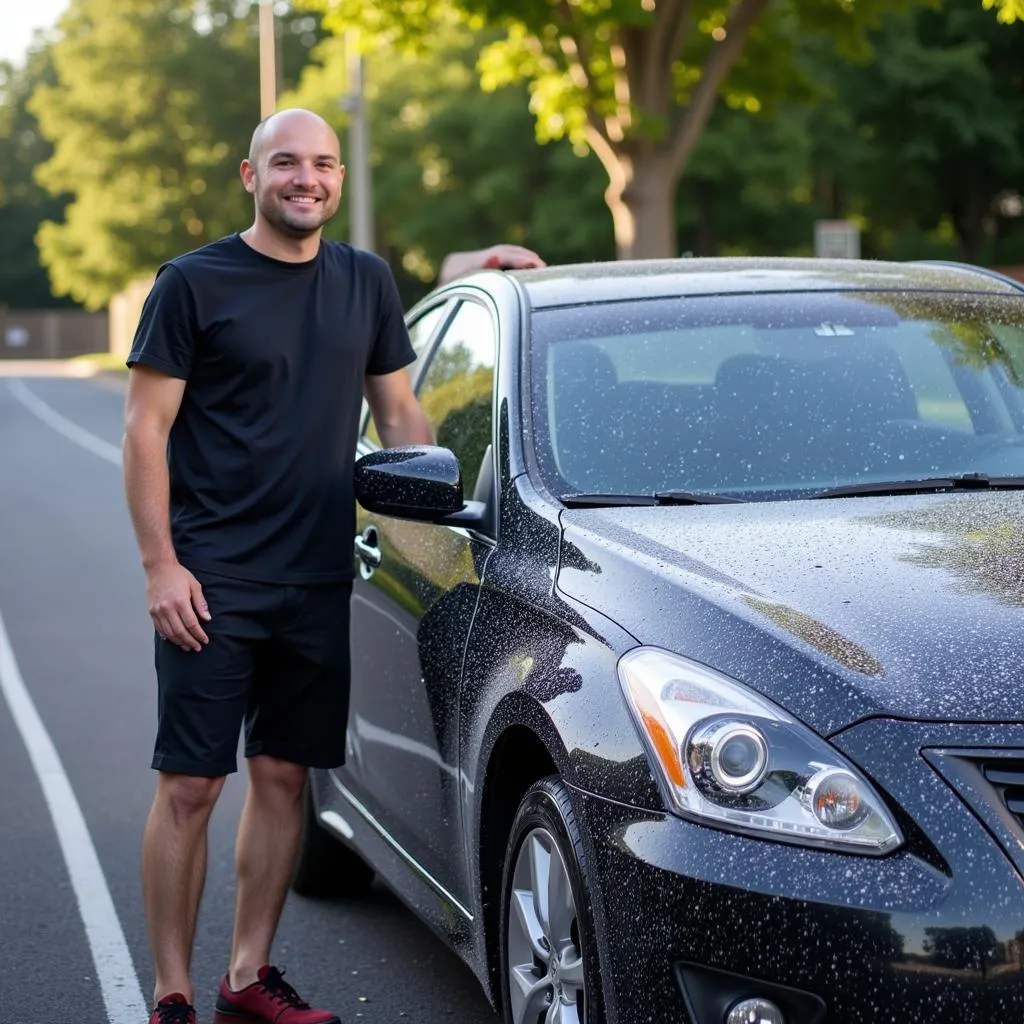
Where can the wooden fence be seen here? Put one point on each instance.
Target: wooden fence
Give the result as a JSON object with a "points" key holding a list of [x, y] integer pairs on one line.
{"points": [[51, 333]]}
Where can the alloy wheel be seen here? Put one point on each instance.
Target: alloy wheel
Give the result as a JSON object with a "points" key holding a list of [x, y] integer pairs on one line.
{"points": [[545, 962]]}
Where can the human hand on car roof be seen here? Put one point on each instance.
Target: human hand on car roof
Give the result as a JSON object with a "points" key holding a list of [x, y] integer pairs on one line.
{"points": [[503, 256]]}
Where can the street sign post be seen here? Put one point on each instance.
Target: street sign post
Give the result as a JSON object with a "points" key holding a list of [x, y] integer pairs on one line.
{"points": [[837, 239], [360, 182], [268, 59]]}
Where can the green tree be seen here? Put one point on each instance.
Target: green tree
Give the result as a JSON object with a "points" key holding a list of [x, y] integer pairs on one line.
{"points": [[920, 143], [938, 119], [1009, 10], [454, 167], [151, 111], [749, 188], [635, 82], [24, 283]]}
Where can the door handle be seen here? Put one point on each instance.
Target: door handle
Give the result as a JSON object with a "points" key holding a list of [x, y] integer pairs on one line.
{"points": [[368, 552]]}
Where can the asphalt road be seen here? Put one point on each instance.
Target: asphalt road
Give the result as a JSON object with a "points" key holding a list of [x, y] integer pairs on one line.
{"points": [[79, 657]]}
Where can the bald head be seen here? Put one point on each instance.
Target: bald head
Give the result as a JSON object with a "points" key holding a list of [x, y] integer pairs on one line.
{"points": [[294, 172], [289, 123]]}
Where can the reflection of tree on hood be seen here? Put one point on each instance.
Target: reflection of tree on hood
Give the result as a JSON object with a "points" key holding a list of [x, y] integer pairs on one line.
{"points": [[981, 542]]}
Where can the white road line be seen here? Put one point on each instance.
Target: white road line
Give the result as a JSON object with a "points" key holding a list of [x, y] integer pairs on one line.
{"points": [[119, 983], [72, 431]]}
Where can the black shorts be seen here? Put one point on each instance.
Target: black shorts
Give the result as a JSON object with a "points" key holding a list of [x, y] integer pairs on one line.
{"points": [[277, 660]]}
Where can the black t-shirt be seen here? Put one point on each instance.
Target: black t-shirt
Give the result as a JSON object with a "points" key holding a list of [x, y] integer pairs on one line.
{"points": [[273, 355]]}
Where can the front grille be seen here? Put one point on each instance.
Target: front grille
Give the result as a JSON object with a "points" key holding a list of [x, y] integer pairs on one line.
{"points": [[990, 781], [1006, 776]]}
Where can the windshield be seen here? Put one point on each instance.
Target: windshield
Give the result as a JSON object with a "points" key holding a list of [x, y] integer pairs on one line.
{"points": [[777, 396]]}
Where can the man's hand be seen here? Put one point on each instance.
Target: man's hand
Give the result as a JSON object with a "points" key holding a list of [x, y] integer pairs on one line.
{"points": [[176, 604], [498, 257]]}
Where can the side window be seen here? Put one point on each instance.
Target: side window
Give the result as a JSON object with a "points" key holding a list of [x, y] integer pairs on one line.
{"points": [[456, 390], [421, 330]]}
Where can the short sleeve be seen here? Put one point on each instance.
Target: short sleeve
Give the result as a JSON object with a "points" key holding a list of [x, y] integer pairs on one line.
{"points": [[391, 349], [165, 338]]}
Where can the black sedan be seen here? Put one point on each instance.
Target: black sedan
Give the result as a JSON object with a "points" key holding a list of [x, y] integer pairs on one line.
{"points": [[688, 667]]}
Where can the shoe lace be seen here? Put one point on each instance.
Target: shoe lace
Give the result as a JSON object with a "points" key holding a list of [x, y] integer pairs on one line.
{"points": [[175, 1013], [276, 987]]}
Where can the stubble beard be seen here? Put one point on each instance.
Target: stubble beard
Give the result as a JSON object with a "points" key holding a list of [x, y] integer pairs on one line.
{"points": [[294, 225]]}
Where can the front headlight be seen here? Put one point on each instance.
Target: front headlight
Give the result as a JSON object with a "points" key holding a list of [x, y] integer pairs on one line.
{"points": [[725, 754]]}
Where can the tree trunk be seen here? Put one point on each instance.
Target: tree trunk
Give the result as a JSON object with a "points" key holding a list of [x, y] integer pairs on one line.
{"points": [[643, 173], [970, 210], [707, 237], [641, 196]]}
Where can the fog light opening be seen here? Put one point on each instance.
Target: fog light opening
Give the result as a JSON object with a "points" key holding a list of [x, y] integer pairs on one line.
{"points": [[754, 1011]]}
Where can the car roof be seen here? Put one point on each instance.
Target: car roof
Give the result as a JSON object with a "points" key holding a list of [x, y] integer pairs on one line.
{"points": [[579, 283]]}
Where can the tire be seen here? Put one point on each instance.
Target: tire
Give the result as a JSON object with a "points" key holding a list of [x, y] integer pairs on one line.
{"points": [[326, 866], [545, 827]]}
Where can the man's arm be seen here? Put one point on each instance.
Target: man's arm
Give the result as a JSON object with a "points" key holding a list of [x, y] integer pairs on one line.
{"points": [[174, 594], [396, 413], [500, 257], [152, 404]]}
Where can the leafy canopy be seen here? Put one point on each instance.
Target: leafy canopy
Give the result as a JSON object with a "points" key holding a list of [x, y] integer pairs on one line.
{"points": [[149, 116], [24, 204], [620, 67], [453, 167], [1009, 10]]}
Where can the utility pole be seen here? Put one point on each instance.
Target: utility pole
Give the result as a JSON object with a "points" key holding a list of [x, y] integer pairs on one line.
{"points": [[359, 184], [268, 60]]}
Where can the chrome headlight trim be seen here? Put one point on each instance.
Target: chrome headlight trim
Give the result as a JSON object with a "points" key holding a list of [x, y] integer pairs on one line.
{"points": [[680, 707]]}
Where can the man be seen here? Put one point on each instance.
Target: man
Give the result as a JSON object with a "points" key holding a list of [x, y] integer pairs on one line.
{"points": [[249, 366]]}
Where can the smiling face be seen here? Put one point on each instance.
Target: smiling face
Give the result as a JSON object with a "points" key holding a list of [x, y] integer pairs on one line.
{"points": [[294, 171]]}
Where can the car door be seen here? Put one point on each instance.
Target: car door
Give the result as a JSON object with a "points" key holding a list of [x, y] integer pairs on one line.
{"points": [[411, 615]]}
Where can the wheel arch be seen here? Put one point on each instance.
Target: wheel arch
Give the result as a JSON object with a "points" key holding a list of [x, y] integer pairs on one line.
{"points": [[518, 759]]}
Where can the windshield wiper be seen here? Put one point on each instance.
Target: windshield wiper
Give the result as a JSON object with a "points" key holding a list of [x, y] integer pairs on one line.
{"points": [[960, 482], [659, 498]]}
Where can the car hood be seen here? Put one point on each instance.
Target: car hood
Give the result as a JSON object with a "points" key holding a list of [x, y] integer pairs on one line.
{"points": [[838, 609]]}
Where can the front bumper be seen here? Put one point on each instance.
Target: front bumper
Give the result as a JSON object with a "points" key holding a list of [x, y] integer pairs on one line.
{"points": [[691, 918]]}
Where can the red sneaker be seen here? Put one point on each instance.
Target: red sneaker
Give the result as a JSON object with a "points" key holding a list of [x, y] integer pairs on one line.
{"points": [[173, 1009], [271, 1000]]}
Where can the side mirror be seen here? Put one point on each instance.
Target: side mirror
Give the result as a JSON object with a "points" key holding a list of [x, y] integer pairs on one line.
{"points": [[421, 482]]}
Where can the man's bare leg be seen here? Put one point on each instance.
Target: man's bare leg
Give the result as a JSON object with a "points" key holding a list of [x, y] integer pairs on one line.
{"points": [[173, 873], [268, 842]]}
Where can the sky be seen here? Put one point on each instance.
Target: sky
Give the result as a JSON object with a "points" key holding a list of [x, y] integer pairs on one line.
{"points": [[18, 20]]}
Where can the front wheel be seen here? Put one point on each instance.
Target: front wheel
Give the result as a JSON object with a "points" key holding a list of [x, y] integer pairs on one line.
{"points": [[549, 969]]}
